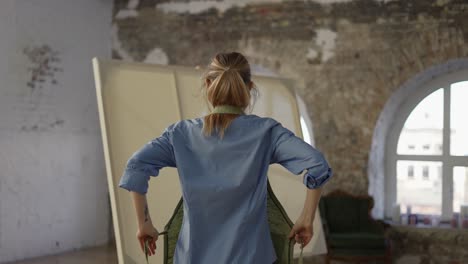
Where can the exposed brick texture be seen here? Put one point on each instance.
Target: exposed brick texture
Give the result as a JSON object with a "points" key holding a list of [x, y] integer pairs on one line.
{"points": [[349, 57]]}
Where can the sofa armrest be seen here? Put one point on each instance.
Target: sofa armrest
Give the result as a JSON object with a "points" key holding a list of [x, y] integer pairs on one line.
{"points": [[384, 224], [377, 226]]}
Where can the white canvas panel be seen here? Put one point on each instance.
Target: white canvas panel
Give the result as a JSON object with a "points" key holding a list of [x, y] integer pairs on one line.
{"points": [[137, 101]]}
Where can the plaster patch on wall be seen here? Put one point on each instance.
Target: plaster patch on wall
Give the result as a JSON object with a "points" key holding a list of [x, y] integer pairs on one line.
{"points": [[42, 125], [326, 40], [157, 56], [44, 64], [324, 45], [125, 13], [129, 11], [442, 2], [132, 4], [196, 7], [117, 45], [41, 76], [312, 54]]}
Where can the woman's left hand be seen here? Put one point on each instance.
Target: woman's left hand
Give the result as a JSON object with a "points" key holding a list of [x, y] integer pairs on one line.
{"points": [[148, 232]]}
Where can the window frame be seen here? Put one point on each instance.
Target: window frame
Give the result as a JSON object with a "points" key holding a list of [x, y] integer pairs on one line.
{"points": [[448, 161]]}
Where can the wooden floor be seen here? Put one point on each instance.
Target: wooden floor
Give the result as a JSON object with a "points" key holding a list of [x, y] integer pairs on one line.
{"points": [[102, 255], [98, 255]]}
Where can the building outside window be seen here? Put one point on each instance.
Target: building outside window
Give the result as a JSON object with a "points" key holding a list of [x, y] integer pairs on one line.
{"points": [[430, 160], [425, 172], [410, 171]]}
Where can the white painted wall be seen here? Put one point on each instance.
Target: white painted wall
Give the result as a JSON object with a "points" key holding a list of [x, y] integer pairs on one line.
{"points": [[53, 190]]}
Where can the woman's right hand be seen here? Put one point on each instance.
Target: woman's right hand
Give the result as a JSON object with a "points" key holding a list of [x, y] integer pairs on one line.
{"points": [[302, 231], [148, 232]]}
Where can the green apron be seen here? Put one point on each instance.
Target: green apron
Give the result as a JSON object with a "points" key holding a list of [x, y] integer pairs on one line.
{"points": [[280, 226]]}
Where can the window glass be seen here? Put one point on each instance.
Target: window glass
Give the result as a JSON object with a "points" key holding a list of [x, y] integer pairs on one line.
{"points": [[422, 193], [422, 131], [459, 119], [460, 188]]}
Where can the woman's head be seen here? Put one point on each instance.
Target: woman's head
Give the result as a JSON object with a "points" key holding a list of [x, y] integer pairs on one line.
{"points": [[226, 81]]}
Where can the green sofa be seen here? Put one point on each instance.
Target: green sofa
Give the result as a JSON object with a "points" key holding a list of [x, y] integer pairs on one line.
{"points": [[350, 231]]}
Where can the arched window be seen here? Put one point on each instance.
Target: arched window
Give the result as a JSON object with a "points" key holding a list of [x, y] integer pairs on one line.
{"points": [[427, 151]]}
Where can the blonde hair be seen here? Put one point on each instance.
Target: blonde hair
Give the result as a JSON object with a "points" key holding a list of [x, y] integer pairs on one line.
{"points": [[230, 82]]}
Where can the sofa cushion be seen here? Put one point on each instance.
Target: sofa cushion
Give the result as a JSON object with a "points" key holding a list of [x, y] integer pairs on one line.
{"points": [[342, 214]]}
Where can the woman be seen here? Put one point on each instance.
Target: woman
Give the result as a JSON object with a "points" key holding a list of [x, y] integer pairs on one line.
{"points": [[222, 160]]}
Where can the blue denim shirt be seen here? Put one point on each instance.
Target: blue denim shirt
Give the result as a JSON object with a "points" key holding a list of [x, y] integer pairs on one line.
{"points": [[224, 184]]}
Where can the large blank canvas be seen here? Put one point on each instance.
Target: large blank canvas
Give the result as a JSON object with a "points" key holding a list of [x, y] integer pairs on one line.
{"points": [[137, 101]]}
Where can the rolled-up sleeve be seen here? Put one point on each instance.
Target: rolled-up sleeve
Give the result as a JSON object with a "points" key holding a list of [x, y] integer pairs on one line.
{"points": [[296, 155], [148, 161]]}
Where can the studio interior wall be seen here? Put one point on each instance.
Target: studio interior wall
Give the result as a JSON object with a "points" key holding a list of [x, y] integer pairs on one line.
{"points": [[53, 190]]}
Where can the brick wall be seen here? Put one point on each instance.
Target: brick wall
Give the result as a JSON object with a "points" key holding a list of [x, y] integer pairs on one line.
{"points": [[349, 56]]}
